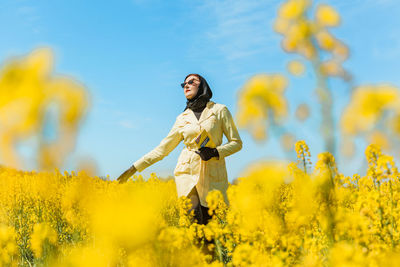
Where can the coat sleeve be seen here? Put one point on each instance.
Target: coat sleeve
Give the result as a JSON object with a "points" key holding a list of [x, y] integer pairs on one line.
{"points": [[229, 128], [169, 143]]}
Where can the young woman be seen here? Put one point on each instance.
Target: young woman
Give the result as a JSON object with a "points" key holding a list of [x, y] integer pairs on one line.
{"points": [[198, 171]]}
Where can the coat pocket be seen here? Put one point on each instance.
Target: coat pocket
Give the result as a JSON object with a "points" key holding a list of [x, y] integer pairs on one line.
{"points": [[216, 170], [183, 165]]}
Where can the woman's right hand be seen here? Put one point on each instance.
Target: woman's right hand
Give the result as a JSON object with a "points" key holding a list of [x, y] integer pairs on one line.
{"points": [[125, 176]]}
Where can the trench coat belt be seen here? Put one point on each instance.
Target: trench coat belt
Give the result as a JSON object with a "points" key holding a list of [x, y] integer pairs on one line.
{"points": [[191, 147], [201, 182]]}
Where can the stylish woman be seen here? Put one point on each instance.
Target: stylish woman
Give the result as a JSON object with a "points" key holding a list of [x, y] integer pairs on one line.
{"points": [[198, 171]]}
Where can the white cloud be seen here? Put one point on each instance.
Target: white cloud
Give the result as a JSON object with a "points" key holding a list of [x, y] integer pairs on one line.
{"points": [[389, 48], [356, 7], [26, 10], [243, 27], [127, 124], [29, 15], [135, 122]]}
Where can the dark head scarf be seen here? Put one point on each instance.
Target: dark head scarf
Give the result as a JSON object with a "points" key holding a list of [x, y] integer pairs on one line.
{"points": [[204, 94]]}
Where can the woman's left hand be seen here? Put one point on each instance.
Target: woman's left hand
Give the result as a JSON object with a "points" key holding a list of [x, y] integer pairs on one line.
{"points": [[125, 176], [206, 153]]}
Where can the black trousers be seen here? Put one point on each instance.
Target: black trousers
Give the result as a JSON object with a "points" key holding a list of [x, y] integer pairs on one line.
{"points": [[200, 212], [201, 215]]}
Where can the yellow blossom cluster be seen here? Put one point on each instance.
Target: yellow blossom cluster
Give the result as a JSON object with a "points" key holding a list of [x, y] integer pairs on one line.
{"points": [[306, 36], [278, 215], [43, 235], [371, 112], [8, 246], [296, 67], [29, 95], [367, 107], [303, 153], [262, 99]]}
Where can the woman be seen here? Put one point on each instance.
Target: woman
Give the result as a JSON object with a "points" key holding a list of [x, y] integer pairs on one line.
{"points": [[198, 171]]}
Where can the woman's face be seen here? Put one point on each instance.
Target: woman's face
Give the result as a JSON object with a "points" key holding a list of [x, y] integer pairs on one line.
{"points": [[190, 90]]}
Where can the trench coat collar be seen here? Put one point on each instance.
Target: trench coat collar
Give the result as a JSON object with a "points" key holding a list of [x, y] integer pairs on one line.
{"points": [[207, 112]]}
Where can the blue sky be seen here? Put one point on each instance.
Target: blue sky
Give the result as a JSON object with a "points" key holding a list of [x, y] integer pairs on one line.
{"points": [[132, 56]]}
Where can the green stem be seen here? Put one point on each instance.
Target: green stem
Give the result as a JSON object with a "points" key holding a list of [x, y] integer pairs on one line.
{"points": [[325, 99]]}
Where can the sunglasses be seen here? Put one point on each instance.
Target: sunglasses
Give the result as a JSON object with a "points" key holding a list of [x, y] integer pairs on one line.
{"points": [[189, 82]]}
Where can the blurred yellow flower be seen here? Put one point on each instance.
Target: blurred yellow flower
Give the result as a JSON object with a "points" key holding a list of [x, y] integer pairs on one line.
{"points": [[28, 92], [43, 235], [302, 112], [292, 9], [261, 98], [379, 138], [296, 67], [326, 15], [132, 220], [367, 105], [340, 50], [325, 40], [8, 246], [281, 25], [347, 147], [288, 141], [331, 68]]}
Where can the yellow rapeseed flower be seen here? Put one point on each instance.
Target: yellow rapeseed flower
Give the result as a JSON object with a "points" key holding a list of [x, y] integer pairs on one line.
{"points": [[28, 92], [8, 246], [367, 105], [261, 98], [43, 235], [326, 15], [296, 67], [292, 9], [302, 112], [325, 40]]}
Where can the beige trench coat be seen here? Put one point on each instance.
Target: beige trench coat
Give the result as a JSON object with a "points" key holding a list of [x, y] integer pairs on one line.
{"points": [[191, 170]]}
